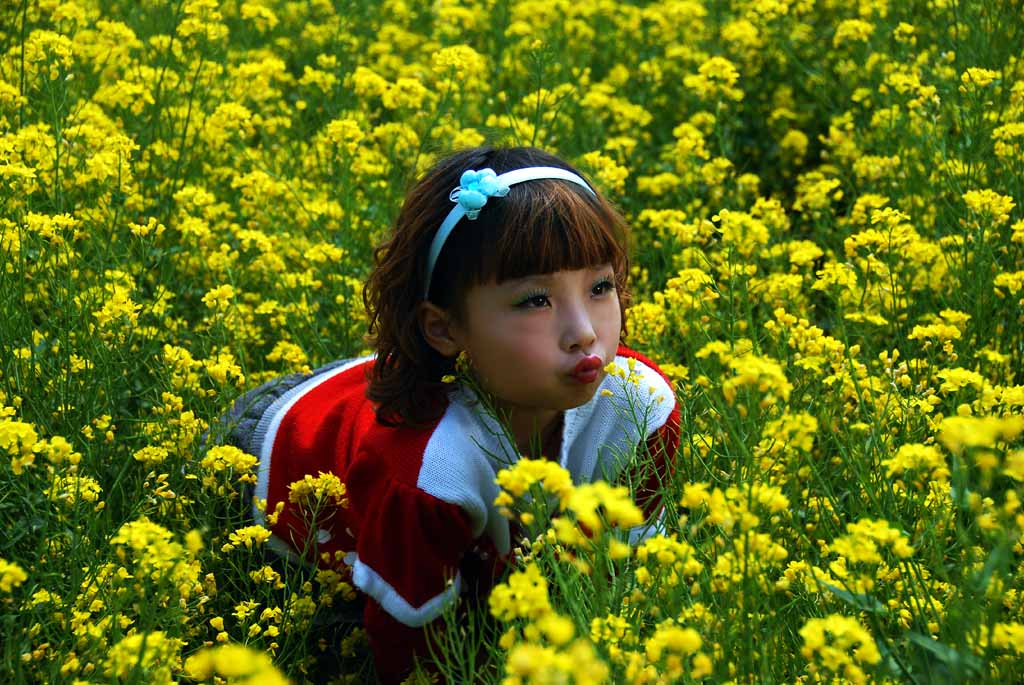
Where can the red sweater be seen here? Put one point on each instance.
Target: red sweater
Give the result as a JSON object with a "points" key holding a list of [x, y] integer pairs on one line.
{"points": [[421, 500]]}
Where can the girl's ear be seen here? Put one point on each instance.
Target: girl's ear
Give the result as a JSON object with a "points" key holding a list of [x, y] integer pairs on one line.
{"points": [[438, 329]]}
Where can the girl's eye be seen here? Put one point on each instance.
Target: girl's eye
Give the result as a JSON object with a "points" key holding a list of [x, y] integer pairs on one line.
{"points": [[604, 286], [533, 301]]}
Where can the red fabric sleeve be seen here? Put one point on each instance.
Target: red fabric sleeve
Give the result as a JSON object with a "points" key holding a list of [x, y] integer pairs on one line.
{"points": [[412, 540], [393, 644], [317, 434], [409, 546]]}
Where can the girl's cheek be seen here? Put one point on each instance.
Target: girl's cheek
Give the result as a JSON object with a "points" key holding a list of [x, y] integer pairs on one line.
{"points": [[528, 333]]}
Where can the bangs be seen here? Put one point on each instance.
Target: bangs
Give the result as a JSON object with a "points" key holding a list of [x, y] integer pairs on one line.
{"points": [[552, 226], [540, 227]]}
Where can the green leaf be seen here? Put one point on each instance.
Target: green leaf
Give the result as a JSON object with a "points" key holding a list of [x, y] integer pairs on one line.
{"points": [[959, 663], [999, 559], [861, 602]]}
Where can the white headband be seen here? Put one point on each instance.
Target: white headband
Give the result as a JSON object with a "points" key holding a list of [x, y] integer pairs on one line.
{"points": [[472, 193]]}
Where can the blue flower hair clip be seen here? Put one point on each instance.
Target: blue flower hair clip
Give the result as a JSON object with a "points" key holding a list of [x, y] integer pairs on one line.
{"points": [[474, 189]]}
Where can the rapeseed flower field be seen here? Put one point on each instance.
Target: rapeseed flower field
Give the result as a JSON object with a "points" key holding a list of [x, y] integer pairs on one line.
{"points": [[828, 260]]}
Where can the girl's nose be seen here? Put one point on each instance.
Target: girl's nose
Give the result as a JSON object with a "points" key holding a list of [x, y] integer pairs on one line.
{"points": [[578, 330]]}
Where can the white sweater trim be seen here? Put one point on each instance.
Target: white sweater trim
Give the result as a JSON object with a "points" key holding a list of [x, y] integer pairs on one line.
{"points": [[370, 582]]}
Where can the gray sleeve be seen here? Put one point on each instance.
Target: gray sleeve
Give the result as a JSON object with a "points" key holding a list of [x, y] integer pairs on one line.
{"points": [[238, 426]]}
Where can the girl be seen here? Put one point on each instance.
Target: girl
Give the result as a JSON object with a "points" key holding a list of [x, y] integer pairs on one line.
{"points": [[522, 270]]}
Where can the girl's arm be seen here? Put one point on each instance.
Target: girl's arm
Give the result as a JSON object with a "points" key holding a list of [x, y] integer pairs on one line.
{"points": [[408, 551]]}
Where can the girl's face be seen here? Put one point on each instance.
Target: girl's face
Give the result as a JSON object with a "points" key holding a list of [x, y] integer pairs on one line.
{"points": [[526, 339]]}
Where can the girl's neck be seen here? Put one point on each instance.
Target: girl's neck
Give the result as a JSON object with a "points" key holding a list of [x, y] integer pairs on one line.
{"points": [[533, 431]]}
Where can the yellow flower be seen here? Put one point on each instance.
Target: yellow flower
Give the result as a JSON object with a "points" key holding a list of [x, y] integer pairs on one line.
{"points": [[567, 533], [19, 440], [118, 308], [990, 203], [345, 133], [267, 575], [852, 30], [261, 17], [228, 457], [672, 638], [532, 663], [926, 459], [689, 142], [247, 536], [956, 379], [294, 357], [619, 550], [11, 575], [694, 495], [1009, 637], [557, 629], [202, 20], [406, 93], [742, 231], [975, 78], [151, 454], [49, 53], [794, 144], [905, 33], [597, 503], [676, 644], [461, 61], [235, 664], [611, 630], [222, 367], [669, 554], [607, 172], [52, 228], [523, 595], [715, 78], [1013, 282], [647, 323], [940, 331], [788, 434], [367, 83], [219, 298], [223, 463], [154, 654], [517, 479], [841, 645], [861, 542], [762, 374], [1008, 139], [71, 489], [311, 492], [835, 275], [1013, 466], [194, 542], [229, 121], [816, 193], [658, 184], [959, 433]]}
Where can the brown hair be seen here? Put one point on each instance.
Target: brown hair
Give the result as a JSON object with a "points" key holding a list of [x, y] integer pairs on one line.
{"points": [[540, 227]]}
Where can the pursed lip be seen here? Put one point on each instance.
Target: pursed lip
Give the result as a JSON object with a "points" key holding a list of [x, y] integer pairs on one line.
{"points": [[587, 369]]}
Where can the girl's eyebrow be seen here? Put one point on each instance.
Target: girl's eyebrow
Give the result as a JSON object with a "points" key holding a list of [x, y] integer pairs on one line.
{"points": [[542, 278], [547, 278]]}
